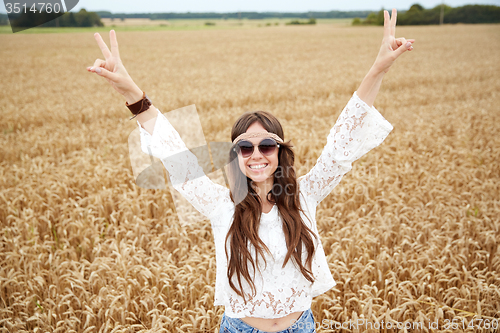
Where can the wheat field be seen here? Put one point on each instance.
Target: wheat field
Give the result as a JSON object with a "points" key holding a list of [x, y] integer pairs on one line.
{"points": [[411, 233]]}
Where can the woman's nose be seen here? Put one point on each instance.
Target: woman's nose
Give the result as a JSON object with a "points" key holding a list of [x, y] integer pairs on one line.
{"points": [[256, 154]]}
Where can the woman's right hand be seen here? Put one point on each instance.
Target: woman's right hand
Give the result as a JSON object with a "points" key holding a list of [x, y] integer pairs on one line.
{"points": [[113, 71]]}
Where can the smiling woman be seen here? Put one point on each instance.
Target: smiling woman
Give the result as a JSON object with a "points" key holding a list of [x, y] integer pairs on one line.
{"points": [[258, 164], [270, 260]]}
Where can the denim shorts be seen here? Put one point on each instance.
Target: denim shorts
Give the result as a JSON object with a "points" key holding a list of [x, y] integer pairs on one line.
{"points": [[305, 324]]}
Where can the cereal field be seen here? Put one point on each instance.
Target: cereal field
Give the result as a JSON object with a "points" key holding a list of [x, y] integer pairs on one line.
{"points": [[411, 233]]}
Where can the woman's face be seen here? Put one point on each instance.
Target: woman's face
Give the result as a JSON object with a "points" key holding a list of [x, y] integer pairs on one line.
{"points": [[258, 167]]}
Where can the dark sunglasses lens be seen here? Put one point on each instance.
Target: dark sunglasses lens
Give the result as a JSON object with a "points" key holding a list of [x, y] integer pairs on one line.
{"points": [[267, 146], [246, 148]]}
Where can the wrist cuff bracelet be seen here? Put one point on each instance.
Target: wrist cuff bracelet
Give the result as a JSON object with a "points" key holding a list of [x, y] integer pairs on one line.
{"points": [[139, 106]]}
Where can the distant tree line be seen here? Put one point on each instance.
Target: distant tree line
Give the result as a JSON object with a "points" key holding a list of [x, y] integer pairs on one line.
{"points": [[4, 20], [418, 15], [235, 15], [30, 19], [312, 20]]}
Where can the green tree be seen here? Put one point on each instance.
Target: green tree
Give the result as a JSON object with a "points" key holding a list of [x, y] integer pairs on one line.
{"points": [[72, 20], [371, 19], [4, 19], [380, 17], [416, 8], [87, 19], [418, 15], [473, 14]]}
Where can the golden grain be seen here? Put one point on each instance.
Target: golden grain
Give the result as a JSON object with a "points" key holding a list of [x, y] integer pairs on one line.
{"points": [[411, 234]]}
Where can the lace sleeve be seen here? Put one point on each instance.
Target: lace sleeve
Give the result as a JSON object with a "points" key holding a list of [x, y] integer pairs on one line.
{"points": [[358, 129], [186, 175]]}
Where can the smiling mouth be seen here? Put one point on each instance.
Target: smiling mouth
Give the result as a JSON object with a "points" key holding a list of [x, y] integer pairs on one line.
{"points": [[258, 167]]}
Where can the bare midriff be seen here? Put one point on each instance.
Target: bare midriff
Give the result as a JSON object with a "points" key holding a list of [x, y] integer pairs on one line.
{"points": [[274, 324]]}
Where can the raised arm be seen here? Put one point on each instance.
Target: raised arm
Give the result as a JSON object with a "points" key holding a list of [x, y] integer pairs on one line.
{"points": [[186, 175], [360, 127], [114, 72], [390, 50], [159, 138]]}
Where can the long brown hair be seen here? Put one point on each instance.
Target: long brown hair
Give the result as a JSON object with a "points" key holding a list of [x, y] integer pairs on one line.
{"points": [[248, 209]]}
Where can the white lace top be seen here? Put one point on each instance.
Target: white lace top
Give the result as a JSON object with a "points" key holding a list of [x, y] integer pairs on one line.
{"points": [[280, 292]]}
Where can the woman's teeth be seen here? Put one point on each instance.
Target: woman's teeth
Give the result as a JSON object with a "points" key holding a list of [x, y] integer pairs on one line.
{"points": [[260, 166]]}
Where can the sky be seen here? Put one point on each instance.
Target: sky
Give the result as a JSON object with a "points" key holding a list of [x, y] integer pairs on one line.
{"points": [[159, 6]]}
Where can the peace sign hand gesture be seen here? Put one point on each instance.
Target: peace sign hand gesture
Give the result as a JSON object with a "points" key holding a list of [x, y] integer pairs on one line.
{"points": [[392, 47], [113, 71]]}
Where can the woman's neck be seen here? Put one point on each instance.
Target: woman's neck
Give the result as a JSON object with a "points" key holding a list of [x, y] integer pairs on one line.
{"points": [[262, 188]]}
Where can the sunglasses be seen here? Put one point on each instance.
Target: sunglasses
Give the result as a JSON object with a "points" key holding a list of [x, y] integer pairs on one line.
{"points": [[266, 147]]}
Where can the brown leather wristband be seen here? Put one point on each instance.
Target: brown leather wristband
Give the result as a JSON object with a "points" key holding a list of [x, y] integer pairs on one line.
{"points": [[139, 106]]}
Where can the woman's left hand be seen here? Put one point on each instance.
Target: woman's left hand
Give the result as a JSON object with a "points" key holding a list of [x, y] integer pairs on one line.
{"points": [[392, 47]]}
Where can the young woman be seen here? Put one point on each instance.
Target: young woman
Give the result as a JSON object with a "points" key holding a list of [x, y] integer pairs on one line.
{"points": [[270, 261]]}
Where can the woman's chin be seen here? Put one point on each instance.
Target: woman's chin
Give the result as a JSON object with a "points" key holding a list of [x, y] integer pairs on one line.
{"points": [[258, 178]]}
